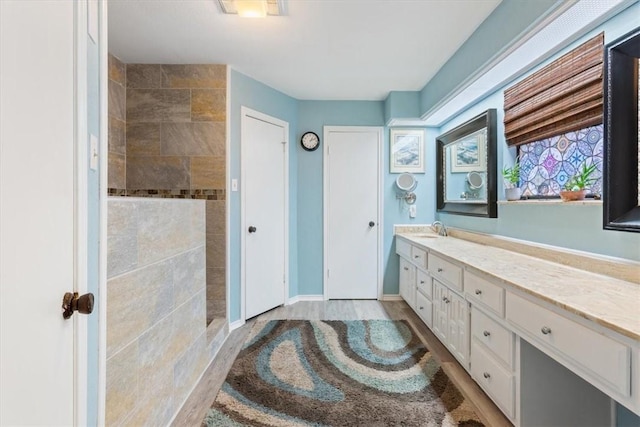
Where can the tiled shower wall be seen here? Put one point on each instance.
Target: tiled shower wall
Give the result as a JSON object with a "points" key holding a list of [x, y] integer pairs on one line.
{"points": [[157, 344], [174, 147], [117, 125]]}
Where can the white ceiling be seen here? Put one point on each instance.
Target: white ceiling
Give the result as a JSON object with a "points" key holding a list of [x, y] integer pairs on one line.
{"points": [[322, 49]]}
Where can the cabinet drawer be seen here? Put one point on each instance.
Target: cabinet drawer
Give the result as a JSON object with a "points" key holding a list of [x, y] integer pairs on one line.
{"points": [[419, 257], [424, 308], [494, 379], [403, 248], [493, 335], [445, 270], [423, 282], [484, 293], [586, 352]]}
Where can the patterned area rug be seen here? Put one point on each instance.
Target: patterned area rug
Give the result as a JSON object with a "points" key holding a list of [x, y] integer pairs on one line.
{"points": [[338, 373]]}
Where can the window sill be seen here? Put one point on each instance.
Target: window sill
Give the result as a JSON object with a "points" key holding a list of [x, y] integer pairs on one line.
{"points": [[550, 202]]}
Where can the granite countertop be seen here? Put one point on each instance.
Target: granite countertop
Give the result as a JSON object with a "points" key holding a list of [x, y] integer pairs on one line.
{"points": [[610, 302]]}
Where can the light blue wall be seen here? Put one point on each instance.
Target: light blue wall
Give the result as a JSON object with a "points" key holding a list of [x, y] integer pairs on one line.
{"points": [[505, 24], [93, 229], [402, 105], [245, 91], [566, 225]]}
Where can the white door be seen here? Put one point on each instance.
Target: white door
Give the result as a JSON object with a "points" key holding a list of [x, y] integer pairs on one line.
{"points": [[352, 212], [265, 210], [38, 214]]}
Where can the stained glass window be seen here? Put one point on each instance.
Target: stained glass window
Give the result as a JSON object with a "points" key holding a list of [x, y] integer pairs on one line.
{"points": [[547, 165]]}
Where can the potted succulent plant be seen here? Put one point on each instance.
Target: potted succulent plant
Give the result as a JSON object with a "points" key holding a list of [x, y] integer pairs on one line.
{"points": [[511, 177], [575, 188]]}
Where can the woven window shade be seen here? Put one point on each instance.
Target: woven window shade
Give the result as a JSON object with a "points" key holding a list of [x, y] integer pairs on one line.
{"points": [[564, 96]]}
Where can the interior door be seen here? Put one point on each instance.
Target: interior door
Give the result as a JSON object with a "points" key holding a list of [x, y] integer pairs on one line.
{"points": [[264, 183], [37, 212], [352, 213]]}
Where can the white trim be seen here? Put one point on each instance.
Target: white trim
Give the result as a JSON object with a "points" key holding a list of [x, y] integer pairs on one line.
{"points": [[325, 196], [102, 284], [505, 66], [245, 113], [235, 325], [80, 347], [229, 196], [392, 297], [299, 298]]}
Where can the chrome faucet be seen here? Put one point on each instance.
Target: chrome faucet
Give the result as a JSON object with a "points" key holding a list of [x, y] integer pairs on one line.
{"points": [[438, 227]]}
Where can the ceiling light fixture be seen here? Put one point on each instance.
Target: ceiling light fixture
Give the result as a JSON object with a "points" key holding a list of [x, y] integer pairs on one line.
{"points": [[253, 8]]}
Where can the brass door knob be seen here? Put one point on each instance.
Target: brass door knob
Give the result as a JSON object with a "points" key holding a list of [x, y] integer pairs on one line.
{"points": [[71, 302]]}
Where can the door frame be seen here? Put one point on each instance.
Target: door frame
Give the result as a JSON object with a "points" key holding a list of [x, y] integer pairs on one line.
{"points": [[81, 143], [246, 113], [325, 199], [104, 182]]}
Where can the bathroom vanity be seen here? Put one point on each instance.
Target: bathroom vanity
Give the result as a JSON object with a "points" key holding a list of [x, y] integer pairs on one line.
{"points": [[550, 344]]}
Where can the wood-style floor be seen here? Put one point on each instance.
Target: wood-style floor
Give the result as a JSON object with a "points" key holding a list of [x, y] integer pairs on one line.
{"points": [[196, 407]]}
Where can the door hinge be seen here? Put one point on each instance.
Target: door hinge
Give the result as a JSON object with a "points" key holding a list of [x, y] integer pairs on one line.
{"points": [[328, 273]]}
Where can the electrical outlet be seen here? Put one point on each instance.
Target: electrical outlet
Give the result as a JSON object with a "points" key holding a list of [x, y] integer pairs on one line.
{"points": [[412, 211]]}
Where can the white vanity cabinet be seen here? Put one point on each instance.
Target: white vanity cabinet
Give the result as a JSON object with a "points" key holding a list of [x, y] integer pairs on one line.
{"points": [[451, 321], [494, 326], [407, 282], [414, 281]]}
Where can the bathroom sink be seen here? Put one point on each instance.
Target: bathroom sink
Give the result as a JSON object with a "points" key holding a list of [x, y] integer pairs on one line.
{"points": [[426, 236]]}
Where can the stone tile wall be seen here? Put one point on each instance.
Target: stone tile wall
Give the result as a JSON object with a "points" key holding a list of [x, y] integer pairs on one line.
{"points": [[117, 124], [157, 344], [176, 118], [167, 139]]}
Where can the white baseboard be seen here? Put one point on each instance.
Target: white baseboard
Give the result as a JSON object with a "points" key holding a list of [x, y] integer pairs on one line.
{"points": [[299, 298], [236, 324], [392, 297]]}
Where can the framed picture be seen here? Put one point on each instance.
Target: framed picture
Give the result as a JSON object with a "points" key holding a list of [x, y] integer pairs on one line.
{"points": [[406, 150], [468, 153]]}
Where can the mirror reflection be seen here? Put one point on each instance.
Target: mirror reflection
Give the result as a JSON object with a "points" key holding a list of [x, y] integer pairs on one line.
{"points": [[467, 168]]}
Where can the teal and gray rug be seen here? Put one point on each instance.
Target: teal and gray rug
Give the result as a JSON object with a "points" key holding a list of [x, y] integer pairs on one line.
{"points": [[338, 373]]}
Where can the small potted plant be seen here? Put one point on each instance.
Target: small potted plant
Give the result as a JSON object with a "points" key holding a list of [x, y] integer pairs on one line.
{"points": [[511, 177], [575, 188]]}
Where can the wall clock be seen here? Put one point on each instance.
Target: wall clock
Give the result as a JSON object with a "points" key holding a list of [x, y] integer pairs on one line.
{"points": [[310, 141]]}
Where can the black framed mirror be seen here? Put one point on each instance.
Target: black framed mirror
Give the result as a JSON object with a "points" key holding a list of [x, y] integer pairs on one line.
{"points": [[621, 202], [466, 168]]}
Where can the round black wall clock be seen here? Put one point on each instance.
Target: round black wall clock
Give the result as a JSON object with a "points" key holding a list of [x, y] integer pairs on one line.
{"points": [[310, 141]]}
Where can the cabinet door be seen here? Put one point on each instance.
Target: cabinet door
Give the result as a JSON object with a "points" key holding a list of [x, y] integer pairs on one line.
{"points": [[440, 298], [407, 282], [458, 323]]}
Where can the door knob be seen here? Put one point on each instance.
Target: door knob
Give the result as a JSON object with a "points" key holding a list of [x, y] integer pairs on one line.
{"points": [[71, 303], [372, 224], [252, 229]]}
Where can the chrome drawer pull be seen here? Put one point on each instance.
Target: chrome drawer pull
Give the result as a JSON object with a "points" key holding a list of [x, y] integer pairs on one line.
{"points": [[478, 292], [421, 308], [545, 330], [440, 270], [416, 256], [406, 268], [422, 282], [486, 333], [487, 375]]}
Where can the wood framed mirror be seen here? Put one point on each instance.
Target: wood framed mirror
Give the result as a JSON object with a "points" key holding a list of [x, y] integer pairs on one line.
{"points": [[466, 168]]}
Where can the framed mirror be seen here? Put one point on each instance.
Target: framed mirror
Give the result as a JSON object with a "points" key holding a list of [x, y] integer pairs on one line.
{"points": [[621, 175], [466, 168]]}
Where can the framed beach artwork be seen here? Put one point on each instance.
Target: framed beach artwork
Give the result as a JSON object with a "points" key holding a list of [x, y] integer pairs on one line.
{"points": [[468, 153], [406, 150]]}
